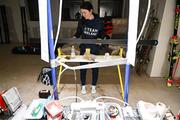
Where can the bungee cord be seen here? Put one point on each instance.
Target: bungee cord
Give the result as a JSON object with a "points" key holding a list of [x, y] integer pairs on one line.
{"points": [[145, 20], [59, 24]]}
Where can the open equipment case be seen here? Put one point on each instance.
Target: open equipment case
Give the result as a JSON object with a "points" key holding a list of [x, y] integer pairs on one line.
{"points": [[12, 99]]}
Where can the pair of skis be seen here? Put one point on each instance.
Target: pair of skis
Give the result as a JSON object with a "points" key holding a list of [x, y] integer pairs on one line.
{"points": [[143, 51], [174, 54]]}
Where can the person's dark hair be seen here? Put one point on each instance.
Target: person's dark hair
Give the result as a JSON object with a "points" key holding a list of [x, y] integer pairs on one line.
{"points": [[86, 5]]}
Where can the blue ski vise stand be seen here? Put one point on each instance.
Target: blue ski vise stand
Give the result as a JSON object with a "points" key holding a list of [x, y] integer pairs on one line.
{"points": [[51, 49]]}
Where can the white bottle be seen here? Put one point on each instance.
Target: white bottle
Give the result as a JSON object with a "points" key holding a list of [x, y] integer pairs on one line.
{"points": [[72, 52]]}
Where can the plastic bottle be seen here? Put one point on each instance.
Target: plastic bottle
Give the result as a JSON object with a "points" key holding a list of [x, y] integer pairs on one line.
{"points": [[73, 52]]}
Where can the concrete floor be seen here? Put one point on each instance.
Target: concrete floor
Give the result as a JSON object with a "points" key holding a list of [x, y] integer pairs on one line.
{"points": [[22, 71]]}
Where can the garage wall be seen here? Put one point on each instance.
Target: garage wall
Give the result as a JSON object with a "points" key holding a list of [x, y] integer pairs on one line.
{"points": [[159, 65], [14, 19]]}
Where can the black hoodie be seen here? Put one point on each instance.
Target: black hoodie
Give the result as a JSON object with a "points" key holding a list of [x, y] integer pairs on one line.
{"points": [[90, 29]]}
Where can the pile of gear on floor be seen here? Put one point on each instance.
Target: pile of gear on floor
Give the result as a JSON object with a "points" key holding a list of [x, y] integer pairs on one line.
{"points": [[12, 107]]}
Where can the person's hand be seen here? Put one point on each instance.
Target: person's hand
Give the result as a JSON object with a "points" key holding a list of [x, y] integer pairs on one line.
{"points": [[106, 37], [99, 39], [98, 44], [74, 37]]}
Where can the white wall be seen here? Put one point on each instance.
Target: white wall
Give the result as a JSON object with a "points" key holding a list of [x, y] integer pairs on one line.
{"points": [[14, 19], [159, 64], [1, 26]]}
